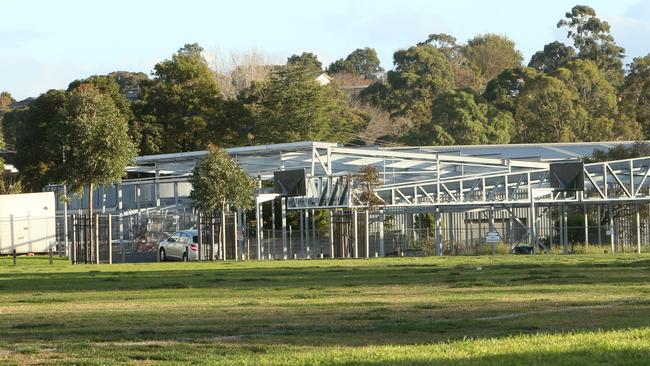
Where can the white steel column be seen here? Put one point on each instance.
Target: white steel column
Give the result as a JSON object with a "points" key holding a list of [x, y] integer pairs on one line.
{"points": [[356, 231], [283, 207], [531, 224], [258, 228], [331, 232], [313, 231], [176, 205], [120, 218], [611, 228], [367, 235], [586, 224], [491, 228], [638, 228], [381, 233], [438, 234], [65, 220], [565, 222], [272, 236], [235, 238], [156, 186]]}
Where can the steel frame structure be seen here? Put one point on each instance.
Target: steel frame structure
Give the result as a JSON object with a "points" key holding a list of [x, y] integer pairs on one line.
{"points": [[415, 180]]}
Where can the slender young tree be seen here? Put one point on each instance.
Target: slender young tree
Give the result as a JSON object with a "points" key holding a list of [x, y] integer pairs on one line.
{"points": [[96, 142], [218, 181]]}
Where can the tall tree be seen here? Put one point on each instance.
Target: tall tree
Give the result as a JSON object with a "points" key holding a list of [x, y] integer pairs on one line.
{"points": [[180, 107], [307, 60], [37, 151], [597, 97], [460, 118], [217, 182], [492, 53], [545, 111], [292, 106], [96, 141], [555, 54], [635, 94], [593, 40], [8, 128], [109, 86], [467, 75], [421, 74], [362, 61]]}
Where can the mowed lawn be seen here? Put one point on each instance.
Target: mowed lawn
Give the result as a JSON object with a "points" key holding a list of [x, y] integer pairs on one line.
{"points": [[501, 310]]}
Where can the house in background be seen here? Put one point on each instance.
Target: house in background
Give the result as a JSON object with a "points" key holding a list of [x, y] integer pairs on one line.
{"points": [[323, 79]]}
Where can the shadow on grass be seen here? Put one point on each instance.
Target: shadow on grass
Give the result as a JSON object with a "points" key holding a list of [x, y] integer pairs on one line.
{"points": [[313, 303], [227, 277]]}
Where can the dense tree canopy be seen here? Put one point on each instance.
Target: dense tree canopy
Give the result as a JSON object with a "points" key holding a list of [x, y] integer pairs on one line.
{"points": [[492, 53], [461, 118], [421, 74], [503, 90], [554, 55], [94, 134], [108, 85], [128, 81], [362, 61], [292, 106], [467, 75], [545, 111], [218, 181], [635, 94], [180, 107], [37, 150], [8, 125], [596, 99], [307, 60]]}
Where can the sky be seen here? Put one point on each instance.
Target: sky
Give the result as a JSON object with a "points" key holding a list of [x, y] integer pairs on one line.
{"points": [[47, 44]]}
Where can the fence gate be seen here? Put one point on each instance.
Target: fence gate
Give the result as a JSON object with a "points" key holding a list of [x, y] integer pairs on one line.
{"points": [[85, 230], [210, 233]]}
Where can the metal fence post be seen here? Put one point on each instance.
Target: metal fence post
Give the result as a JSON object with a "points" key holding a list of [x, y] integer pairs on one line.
{"points": [[73, 244], [96, 238], [110, 240]]}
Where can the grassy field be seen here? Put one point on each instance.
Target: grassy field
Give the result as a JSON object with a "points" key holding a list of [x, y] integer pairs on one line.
{"points": [[502, 310]]}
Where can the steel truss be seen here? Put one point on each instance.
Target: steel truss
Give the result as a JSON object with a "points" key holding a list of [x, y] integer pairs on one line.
{"points": [[457, 190]]}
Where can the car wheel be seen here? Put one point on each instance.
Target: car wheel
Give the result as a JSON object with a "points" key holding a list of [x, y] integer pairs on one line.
{"points": [[163, 256], [185, 258]]}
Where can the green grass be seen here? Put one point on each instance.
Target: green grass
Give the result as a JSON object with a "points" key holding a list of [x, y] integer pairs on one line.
{"points": [[501, 310]]}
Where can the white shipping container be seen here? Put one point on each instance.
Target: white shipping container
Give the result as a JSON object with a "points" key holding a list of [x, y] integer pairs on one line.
{"points": [[27, 222]]}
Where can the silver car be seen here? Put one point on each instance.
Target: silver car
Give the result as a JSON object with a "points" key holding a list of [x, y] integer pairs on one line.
{"points": [[182, 245]]}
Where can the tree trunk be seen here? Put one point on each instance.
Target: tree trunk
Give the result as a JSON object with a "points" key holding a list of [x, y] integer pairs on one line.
{"points": [[89, 242], [223, 229]]}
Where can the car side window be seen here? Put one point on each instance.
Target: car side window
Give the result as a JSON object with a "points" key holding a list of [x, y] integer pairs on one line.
{"points": [[184, 238], [173, 239], [195, 239]]}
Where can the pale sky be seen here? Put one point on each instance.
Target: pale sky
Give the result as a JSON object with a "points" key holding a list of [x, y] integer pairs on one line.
{"points": [[47, 44]]}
